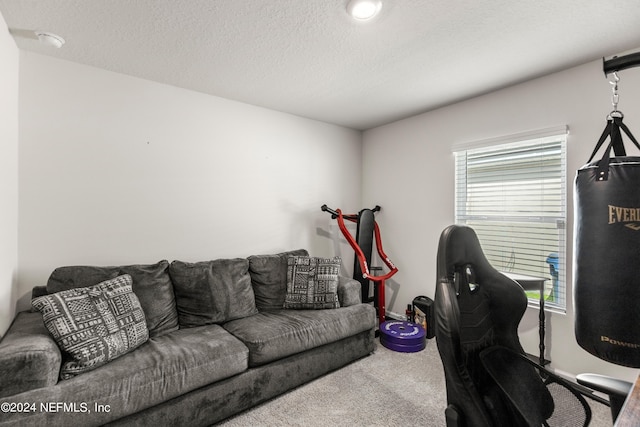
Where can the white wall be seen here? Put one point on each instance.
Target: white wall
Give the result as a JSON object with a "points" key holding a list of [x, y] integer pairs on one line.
{"points": [[115, 170], [9, 60], [409, 171]]}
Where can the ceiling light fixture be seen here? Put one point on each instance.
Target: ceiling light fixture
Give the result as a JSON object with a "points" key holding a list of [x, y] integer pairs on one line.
{"points": [[50, 39], [363, 10]]}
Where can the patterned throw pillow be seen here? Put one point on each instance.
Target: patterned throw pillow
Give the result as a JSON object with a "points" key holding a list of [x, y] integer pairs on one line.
{"points": [[93, 325], [312, 283]]}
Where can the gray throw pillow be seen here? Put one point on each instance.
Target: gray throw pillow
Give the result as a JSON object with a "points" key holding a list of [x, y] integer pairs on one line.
{"points": [[93, 325], [151, 284], [312, 283], [212, 291], [269, 278]]}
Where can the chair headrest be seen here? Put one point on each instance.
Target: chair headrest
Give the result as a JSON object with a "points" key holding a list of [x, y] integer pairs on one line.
{"points": [[459, 246]]}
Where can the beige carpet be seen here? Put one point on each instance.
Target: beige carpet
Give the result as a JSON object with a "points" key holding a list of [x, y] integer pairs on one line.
{"points": [[386, 388]]}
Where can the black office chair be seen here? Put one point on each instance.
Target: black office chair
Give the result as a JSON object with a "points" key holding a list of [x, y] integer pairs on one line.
{"points": [[489, 379]]}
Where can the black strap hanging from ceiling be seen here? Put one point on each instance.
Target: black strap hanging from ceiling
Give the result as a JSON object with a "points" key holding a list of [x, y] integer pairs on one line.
{"points": [[612, 130]]}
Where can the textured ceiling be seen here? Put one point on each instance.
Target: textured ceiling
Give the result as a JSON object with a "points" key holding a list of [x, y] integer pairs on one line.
{"points": [[308, 58]]}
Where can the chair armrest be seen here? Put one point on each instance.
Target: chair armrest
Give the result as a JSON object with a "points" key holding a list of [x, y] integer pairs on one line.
{"points": [[349, 292], [616, 389], [534, 391], [604, 384], [520, 383], [29, 357]]}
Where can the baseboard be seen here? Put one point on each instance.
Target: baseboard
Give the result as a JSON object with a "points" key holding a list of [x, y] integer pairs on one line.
{"points": [[395, 316]]}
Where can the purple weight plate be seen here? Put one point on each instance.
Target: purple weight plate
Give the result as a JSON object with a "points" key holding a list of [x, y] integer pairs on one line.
{"points": [[410, 348], [402, 336]]}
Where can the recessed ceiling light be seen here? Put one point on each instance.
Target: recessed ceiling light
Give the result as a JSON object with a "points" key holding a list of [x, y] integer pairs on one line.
{"points": [[50, 39], [364, 10]]}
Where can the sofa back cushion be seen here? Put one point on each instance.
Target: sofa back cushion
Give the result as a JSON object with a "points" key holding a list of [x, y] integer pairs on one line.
{"points": [[211, 292], [269, 278], [151, 284]]}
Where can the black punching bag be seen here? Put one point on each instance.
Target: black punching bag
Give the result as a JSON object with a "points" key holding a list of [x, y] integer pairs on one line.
{"points": [[606, 289]]}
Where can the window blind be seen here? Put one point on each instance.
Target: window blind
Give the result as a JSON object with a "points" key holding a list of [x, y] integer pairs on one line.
{"points": [[514, 196]]}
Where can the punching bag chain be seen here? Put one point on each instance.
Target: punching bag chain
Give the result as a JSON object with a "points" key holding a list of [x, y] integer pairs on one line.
{"points": [[615, 97]]}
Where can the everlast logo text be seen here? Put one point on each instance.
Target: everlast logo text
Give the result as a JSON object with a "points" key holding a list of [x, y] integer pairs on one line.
{"points": [[626, 215], [620, 343]]}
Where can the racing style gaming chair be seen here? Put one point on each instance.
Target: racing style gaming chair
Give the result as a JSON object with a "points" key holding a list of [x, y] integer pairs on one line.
{"points": [[489, 379]]}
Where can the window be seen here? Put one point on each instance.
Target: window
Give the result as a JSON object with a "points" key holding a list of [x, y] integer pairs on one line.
{"points": [[513, 194]]}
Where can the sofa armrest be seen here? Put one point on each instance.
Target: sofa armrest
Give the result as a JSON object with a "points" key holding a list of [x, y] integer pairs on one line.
{"points": [[29, 357], [349, 292]]}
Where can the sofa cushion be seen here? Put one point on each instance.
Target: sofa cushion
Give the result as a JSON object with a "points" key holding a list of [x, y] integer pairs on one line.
{"points": [[272, 335], [151, 284], [269, 278], [29, 357], [212, 291], [94, 325], [163, 368], [312, 283]]}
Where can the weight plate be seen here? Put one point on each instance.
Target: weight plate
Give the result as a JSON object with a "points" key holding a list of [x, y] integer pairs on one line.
{"points": [[402, 336]]}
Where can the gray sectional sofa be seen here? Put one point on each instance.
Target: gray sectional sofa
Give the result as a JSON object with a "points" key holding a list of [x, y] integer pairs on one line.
{"points": [[219, 342]]}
